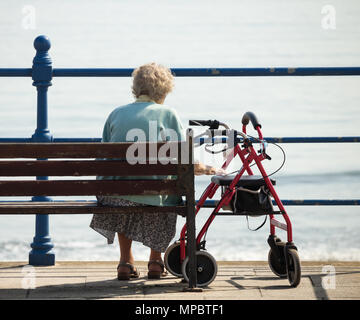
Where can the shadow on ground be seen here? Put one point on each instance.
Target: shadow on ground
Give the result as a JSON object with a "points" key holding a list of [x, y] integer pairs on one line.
{"points": [[81, 287]]}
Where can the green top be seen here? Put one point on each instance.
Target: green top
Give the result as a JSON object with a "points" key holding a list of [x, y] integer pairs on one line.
{"points": [[144, 120]]}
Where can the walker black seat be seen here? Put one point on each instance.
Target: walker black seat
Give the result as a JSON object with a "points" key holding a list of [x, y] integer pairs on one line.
{"points": [[255, 181]]}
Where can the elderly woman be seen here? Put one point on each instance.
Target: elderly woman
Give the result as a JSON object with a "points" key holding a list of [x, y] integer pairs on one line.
{"points": [[151, 84]]}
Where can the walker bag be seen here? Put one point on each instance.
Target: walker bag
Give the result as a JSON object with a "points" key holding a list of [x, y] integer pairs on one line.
{"points": [[252, 202]]}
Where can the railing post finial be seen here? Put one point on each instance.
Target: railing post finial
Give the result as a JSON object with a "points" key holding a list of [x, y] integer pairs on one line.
{"points": [[42, 44]]}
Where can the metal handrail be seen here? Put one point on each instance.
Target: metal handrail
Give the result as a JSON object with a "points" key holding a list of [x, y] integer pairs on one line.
{"points": [[192, 72], [349, 139]]}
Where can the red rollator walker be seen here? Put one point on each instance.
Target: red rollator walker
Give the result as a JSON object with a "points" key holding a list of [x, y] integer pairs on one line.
{"points": [[247, 195]]}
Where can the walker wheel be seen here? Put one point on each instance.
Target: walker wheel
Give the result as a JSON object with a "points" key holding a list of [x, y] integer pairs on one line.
{"points": [[293, 268], [172, 259], [278, 264], [206, 268]]}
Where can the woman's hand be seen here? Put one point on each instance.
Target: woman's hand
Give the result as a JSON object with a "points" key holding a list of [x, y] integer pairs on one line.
{"points": [[200, 168]]}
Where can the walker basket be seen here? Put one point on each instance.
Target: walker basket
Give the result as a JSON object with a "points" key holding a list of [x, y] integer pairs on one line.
{"points": [[251, 202]]}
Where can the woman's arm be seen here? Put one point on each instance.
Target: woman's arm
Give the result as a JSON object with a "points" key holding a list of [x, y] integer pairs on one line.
{"points": [[200, 168]]}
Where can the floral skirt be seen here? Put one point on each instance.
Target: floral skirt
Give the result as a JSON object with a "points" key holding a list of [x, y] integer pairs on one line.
{"points": [[154, 230]]}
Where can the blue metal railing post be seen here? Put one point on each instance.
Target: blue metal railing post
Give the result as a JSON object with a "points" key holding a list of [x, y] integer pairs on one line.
{"points": [[41, 253]]}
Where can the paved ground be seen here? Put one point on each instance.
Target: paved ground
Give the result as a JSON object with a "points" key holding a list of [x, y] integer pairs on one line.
{"points": [[235, 280]]}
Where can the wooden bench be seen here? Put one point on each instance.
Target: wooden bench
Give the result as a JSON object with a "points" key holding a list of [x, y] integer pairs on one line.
{"points": [[82, 159]]}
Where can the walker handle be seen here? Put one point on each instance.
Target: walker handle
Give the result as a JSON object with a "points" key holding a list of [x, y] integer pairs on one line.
{"points": [[213, 124], [249, 116]]}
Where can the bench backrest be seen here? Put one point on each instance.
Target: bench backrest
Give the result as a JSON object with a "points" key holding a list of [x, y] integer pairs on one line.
{"points": [[85, 162]]}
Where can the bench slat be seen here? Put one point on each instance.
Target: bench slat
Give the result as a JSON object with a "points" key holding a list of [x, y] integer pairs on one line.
{"points": [[89, 187], [83, 168], [77, 150], [86, 207]]}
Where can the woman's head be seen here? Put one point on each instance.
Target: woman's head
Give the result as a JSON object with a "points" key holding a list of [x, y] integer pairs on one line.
{"points": [[152, 80]]}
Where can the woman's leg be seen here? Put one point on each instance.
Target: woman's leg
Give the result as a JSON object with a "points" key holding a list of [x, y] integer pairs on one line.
{"points": [[125, 251], [155, 255]]}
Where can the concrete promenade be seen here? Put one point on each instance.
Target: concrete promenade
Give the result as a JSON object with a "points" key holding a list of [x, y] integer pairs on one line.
{"points": [[235, 280]]}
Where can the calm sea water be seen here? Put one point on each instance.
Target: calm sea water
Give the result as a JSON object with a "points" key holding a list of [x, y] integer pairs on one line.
{"points": [[199, 34]]}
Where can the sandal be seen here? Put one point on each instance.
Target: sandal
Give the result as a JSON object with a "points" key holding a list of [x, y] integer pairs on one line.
{"points": [[133, 273], [157, 274]]}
